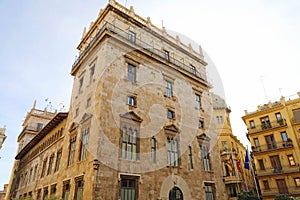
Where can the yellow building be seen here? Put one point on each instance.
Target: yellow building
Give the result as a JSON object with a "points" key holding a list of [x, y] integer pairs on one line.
{"points": [[232, 151], [274, 134]]}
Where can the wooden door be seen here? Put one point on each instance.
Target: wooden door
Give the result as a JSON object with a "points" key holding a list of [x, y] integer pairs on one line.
{"points": [[282, 188]]}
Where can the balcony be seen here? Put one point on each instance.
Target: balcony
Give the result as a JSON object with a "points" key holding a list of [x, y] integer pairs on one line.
{"points": [[231, 179], [286, 169], [267, 126], [139, 44], [272, 147], [291, 190]]}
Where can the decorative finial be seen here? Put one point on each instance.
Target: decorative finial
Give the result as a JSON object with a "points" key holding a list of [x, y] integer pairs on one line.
{"points": [[34, 104], [131, 11], [84, 32]]}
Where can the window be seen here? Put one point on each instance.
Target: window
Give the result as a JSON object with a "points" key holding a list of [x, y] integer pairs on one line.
{"points": [[265, 122], [166, 55], [297, 181], [58, 158], [35, 172], [193, 69], [131, 100], [175, 194], [129, 143], [252, 125], [53, 190], [201, 124], [261, 164], [278, 117], [232, 190], [291, 160], [220, 119], [50, 164], [153, 150], [270, 140], [80, 85], [39, 126], [266, 185], [88, 102], [92, 73], [72, 151], [169, 90], [78, 189], [224, 145], [131, 73], [66, 190], [171, 114], [30, 175], [198, 101], [45, 194], [128, 189], [205, 158], [84, 144], [173, 152], [131, 36], [296, 113], [190, 157], [44, 168], [209, 191], [39, 193], [256, 142], [284, 136]]}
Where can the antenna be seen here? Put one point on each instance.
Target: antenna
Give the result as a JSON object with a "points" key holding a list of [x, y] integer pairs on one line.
{"points": [[263, 85]]}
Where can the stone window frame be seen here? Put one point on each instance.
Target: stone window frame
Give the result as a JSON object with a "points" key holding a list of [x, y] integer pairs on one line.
{"points": [[204, 145], [172, 138], [85, 130], [130, 121], [50, 164], [129, 177], [190, 157], [58, 160], [44, 166], [153, 149], [79, 184], [66, 189]]}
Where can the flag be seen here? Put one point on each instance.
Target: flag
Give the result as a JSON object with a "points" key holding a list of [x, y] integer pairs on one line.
{"points": [[238, 164], [247, 160], [230, 164]]}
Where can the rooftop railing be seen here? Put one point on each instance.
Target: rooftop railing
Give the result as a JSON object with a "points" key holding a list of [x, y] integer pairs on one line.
{"points": [[139, 44]]}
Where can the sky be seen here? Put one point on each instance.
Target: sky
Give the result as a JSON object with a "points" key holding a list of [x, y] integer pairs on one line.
{"points": [[254, 46]]}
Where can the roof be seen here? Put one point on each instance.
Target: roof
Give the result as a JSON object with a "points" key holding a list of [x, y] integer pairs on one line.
{"points": [[57, 119]]}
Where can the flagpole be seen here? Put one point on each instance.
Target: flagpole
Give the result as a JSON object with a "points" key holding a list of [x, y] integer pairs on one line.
{"points": [[251, 167]]}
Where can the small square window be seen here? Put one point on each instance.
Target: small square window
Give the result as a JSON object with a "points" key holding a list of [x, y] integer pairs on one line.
{"points": [[131, 100], [201, 124], [171, 114], [131, 36], [166, 55]]}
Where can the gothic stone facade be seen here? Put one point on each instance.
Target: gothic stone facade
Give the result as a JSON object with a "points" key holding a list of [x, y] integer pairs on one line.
{"points": [[139, 125]]}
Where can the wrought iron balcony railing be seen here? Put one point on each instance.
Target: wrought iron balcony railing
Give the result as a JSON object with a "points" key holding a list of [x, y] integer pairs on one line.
{"points": [[267, 126], [286, 169], [290, 190], [272, 146], [141, 45]]}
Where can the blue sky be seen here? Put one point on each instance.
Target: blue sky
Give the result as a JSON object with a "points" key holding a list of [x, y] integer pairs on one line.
{"points": [[246, 40]]}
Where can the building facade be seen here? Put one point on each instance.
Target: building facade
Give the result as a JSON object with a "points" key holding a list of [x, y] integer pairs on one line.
{"points": [[232, 151], [273, 131], [139, 124]]}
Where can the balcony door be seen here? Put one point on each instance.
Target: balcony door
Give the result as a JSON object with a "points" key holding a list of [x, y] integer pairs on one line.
{"points": [[282, 188], [265, 122], [270, 142], [276, 165]]}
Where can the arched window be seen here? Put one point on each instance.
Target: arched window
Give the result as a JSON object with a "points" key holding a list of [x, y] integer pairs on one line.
{"points": [[175, 194]]}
